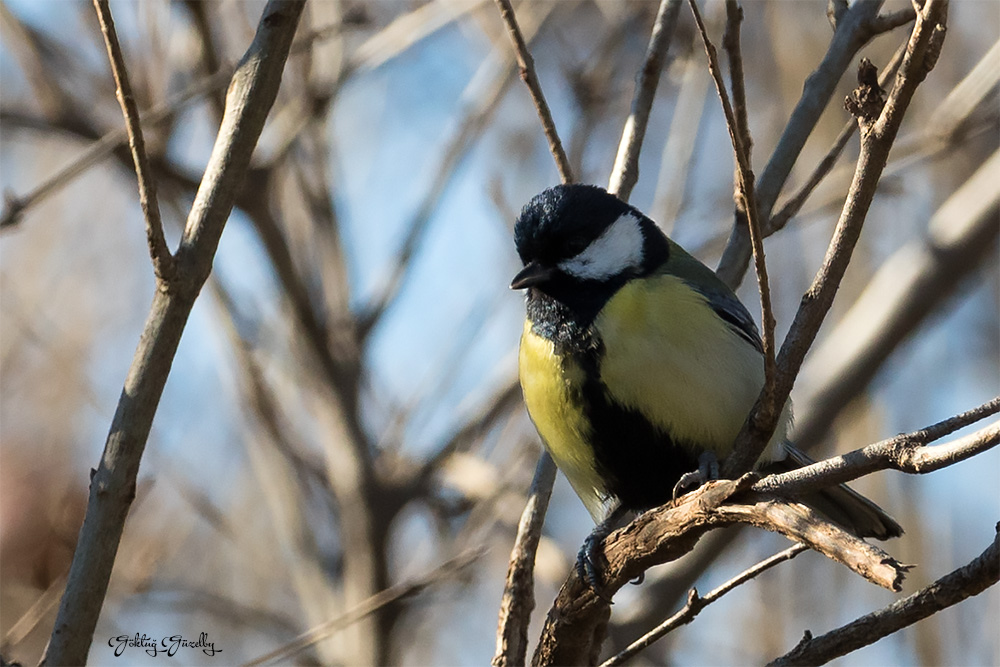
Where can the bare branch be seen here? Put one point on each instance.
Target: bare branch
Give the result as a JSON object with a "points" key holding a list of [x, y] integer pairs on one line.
{"points": [[695, 603], [947, 591], [449, 568], [251, 94], [893, 20], [518, 599], [853, 30], [907, 453], [746, 197], [625, 172], [527, 70], [667, 533], [795, 202], [902, 294], [877, 136], [163, 261]]}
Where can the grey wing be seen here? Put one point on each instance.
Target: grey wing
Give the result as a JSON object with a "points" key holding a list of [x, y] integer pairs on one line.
{"points": [[727, 306]]}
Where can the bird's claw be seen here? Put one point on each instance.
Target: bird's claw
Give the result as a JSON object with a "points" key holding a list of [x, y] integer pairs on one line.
{"points": [[708, 470], [590, 563]]}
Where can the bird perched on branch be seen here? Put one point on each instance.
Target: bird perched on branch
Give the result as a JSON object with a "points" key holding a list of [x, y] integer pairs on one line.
{"points": [[638, 365]]}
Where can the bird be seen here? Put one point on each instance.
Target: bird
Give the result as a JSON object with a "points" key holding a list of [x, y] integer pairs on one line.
{"points": [[638, 365]]}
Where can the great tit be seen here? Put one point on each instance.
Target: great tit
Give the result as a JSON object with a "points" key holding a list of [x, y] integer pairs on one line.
{"points": [[636, 360]]}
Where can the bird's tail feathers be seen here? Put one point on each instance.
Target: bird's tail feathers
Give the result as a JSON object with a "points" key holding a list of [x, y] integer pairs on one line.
{"points": [[841, 504]]}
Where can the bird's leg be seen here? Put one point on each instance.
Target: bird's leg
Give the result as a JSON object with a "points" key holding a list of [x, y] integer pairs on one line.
{"points": [[708, 469], [590, 560]]}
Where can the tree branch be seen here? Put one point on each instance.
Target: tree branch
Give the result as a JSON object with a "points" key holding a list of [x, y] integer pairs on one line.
{"points": [[526, 65], [695, 603], [625, 172], [746, 197], [878, 131], [251, 94], [667, 533], [518, 594], [853, 30], [907, 453], [163, 261], [949, 590]]}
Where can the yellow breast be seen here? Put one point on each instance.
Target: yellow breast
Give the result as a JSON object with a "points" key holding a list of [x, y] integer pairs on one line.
{"points": [[670, 357], [552, 388]]}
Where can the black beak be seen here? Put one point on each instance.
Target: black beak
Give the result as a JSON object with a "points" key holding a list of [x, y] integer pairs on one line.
{"points": [[531, 275]]}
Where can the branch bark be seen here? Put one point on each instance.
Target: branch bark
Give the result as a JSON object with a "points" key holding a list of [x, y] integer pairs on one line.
{"points": [[949, 590], [625, 172], [251, 94], [163, 261], [669, 532], [877, 135]]}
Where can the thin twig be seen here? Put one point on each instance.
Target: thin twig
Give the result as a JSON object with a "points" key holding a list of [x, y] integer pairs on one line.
{"points": [[963, 583], [907, 453], [853, 31], [695, 603], [877, 136], [378, 601], [480, 101], [113, 483], [163, 261], [526, 65], [518, 599], [745, 192], [625, 172], [795, 202]]}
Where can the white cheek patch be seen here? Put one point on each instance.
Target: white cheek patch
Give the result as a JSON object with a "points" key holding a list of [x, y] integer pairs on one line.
{"points": [[618, 249]]}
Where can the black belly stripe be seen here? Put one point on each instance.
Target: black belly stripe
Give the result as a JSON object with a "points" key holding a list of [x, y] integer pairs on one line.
{"points": [[640, 462]]}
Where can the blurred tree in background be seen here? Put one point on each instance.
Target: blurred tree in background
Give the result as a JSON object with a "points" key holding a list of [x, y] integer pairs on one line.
{"points": [[343, 416]]}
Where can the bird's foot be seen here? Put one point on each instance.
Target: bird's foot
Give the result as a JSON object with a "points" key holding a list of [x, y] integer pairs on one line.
{"points": [[708, 470], [590, 561]]}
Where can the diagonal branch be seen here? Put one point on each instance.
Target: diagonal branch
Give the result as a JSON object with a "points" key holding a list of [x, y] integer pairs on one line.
{"points": [[112, 489], [526, 65], [854, 28], [878, 132], [625, 172], [908, 453], [666, 533], [949, 590], [695, 603], [746, 197], [163, 261]]}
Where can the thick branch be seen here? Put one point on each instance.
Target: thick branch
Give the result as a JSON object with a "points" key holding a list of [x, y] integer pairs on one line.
{"points": [[949, 590], [669, 532], [251, 94]]}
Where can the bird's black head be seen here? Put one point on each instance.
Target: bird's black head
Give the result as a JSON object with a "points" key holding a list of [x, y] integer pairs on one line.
{"points": [[579, 244]]}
